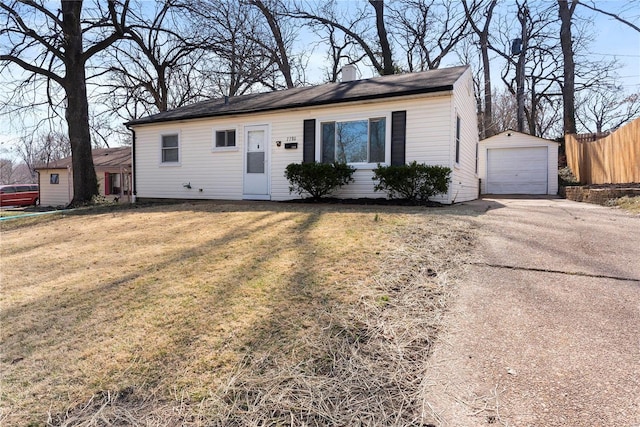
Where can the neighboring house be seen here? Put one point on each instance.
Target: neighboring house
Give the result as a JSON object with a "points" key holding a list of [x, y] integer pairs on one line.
{"points": [[516, 163], [238, 148], [113, 170]]}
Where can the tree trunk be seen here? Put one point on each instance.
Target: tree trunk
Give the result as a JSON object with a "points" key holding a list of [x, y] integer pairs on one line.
{"points": [[282, 58], [520, 71], [565, 11], [387, 57], [85, 183], [534, 108], [489, 129]]}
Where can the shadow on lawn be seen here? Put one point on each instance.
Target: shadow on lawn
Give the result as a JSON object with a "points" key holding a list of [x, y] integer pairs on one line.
{"points": [[223, 355], [60, 320]]}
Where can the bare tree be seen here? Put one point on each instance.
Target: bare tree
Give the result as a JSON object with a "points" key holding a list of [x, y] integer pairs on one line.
{"points": [[606, 108], [529, 50], [383, 39], [42, 149], [358, 27], [504, 110], [427, 30], [55, 45], [281, 35], [485, 11], [341, 51], [6, 171], [630, 5], [237, 59], [155, 65], [566, 9]]}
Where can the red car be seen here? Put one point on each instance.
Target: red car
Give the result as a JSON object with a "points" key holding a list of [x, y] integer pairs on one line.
{"points": [[19, 195]]}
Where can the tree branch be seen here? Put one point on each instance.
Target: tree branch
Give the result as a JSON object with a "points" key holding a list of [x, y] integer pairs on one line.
{"points": [[613, 15], [32, 68]]}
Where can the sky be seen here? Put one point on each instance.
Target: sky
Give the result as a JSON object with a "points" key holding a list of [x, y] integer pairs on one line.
{"points": [[617, 40], [613, 40]]}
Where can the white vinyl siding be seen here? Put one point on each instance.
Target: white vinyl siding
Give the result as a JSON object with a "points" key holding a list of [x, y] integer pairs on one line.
{"points": [[464, 179], [59, 194], [218, 174], [430, 134]]}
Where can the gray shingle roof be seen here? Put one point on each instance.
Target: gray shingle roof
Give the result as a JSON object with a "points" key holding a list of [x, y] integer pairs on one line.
{"points": [[329, 93]]}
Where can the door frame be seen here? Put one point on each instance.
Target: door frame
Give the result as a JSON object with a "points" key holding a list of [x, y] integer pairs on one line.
{"points": [[267, 160]]}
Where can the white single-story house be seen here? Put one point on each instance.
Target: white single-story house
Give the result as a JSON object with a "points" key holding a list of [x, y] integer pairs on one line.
{"points": [[517, 163], [238, 147], [113, 170]]}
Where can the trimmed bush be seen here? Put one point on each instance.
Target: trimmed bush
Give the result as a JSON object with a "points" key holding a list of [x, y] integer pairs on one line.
{"points": [[413, 181], [318, 179]]}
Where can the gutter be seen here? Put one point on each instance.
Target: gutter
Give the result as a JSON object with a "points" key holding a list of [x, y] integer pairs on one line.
{"points": [[134, 192]]}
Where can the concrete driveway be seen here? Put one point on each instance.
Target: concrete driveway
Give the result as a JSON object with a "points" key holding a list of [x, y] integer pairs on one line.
{"points": [[546, 329]]}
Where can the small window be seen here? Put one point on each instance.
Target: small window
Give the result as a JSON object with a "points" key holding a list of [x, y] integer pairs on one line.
{"points": [[170, 149], [225, 138], [54, 178], [457, 139]]}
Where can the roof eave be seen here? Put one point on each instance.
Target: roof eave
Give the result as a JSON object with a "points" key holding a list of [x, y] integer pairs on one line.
{"points": [[444, 88]]}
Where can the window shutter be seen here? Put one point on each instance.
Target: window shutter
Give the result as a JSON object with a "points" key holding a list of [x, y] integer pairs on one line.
{"points": [[309, 141], [107, 184], [398, 137]]}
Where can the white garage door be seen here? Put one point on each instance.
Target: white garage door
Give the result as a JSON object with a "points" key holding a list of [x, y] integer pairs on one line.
{"points": [[521, 170]]}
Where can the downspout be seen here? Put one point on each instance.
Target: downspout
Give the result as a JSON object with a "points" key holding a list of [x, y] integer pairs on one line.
{"points": [[133, 165], [69, 185], [39, 198]]}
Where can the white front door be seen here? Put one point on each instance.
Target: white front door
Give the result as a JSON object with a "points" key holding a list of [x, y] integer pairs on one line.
{"points": [[256, 162]]}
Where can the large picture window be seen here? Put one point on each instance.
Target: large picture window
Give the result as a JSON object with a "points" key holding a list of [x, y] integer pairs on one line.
{"points": [[357, 141], [170, 149]]}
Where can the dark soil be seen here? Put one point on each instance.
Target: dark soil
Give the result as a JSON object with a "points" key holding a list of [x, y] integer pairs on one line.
{"points": [[367, 201]]}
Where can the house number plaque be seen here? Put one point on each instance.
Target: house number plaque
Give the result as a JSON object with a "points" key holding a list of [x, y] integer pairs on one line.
{"points": [[291, 143]]}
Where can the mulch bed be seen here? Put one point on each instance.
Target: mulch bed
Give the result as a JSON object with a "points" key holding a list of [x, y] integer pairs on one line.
{"points": [[367, 201]]}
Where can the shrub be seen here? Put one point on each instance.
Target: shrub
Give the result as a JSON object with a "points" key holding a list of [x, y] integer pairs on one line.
{"points": [[413, 181], [318, 179]]}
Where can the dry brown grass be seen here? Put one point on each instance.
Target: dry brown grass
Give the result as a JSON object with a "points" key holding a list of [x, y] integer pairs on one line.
{"points": [[631, 204], [224, 314]]}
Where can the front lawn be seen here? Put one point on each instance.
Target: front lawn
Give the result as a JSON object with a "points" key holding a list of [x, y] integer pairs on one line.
{"points": [[224, 314]]}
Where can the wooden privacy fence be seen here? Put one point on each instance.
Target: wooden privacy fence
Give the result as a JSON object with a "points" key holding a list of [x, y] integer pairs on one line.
{"points": [[614, 159]]}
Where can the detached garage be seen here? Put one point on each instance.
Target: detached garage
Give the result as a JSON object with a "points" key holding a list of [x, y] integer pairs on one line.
{"points": [[516, 163]]}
